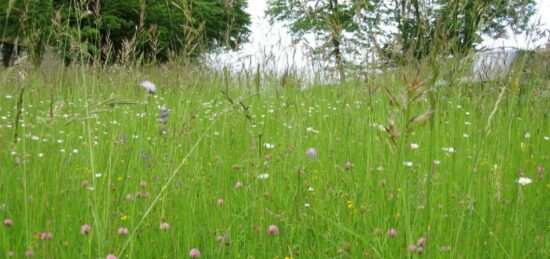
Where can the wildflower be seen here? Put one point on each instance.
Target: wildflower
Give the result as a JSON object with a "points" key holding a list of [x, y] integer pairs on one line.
{"points": [[408, 163], [348, 165], [445, 249], [85, 184], [307, 205], [311, 129], [85, 229], [437, 162], [421, 241], [311, 152], [220, 202], [414, 146], [164, 226], [272, 230], [269, 146], [28, 253], [129, 197], [449, 149], [350, 205], [524, 181], [8, 222], [148, 86], [239, 185], [124, 218], [143, 184], [163, 115], [195, 252], [419, 250], [263, 176], [111, 256], [46, 236], [412, 249], [122, 231], [392, 232], [527, 135]]}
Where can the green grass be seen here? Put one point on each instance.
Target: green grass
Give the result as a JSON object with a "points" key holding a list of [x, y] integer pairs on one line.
{"points": [[470, 202]]}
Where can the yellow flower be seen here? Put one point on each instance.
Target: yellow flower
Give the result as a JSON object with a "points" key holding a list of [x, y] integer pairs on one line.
{"points": [[350, 205], [124, 218]]}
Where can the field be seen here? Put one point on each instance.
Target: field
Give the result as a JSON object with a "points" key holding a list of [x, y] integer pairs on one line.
{"points": [[94, 166]]}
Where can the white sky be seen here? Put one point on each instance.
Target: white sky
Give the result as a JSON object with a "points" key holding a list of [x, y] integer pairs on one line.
{"points": [[272, 45]]}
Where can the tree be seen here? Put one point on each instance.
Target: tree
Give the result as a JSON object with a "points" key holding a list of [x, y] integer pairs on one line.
{"points": [[25, 25], [454, 26], [105, 30], [157, 29], [337, 23]]}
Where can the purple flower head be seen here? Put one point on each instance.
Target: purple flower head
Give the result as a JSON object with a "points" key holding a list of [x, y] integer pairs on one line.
{"points": [[122, 231], [239, 185], [85, 229], [8, 222], [421, 241], [311, 153], [164, 226], [392, 232], [195, 253], [148, 86], [273, 230]]}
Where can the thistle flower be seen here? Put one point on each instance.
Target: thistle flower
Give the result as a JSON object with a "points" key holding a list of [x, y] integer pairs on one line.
{"points": [[111, 256], [148, 86], [272, 230], [195, 253], [85, 229], [311, 153]]}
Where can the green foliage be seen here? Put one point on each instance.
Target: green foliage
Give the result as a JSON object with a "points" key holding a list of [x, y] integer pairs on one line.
{"points": [[342, 25], [110, 29], [451, 26], [24, 24]]}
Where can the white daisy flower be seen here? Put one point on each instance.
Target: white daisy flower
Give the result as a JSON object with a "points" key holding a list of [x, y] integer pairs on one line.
{"points": [[524, 181]]}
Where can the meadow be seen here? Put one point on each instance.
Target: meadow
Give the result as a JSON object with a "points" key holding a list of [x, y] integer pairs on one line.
{"points": [[93, 166]]}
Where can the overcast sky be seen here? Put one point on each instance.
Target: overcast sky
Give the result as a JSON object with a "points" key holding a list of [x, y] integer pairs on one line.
{"points": [[266, 39]]}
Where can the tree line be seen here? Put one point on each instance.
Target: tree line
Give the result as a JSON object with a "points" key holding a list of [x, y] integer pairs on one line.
{"points": [[112, 30], [397, 31], [393, 31]]}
